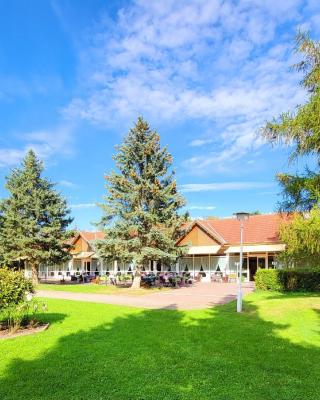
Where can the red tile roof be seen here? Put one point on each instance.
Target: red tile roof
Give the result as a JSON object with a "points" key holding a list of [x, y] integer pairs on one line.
{"points": [[257, 229], [89, 236]]}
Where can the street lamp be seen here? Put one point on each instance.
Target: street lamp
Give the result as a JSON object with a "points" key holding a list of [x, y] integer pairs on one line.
{"points": [[241, 216]]}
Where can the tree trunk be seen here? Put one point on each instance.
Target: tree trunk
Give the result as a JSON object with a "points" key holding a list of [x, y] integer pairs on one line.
{"points": [[35, 278], [137, 278]]}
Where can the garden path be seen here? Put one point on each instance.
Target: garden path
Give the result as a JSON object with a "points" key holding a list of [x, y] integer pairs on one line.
{"points": [[200, 295]]}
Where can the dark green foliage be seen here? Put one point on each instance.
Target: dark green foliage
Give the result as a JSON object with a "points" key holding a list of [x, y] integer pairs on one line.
{"points": [[300, 193], [34, 218], [288, 280], [141, 210], [13, 287], [301, 131]]}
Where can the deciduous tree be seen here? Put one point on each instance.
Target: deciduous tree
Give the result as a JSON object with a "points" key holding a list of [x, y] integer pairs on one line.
{"points": [[302, 238]]}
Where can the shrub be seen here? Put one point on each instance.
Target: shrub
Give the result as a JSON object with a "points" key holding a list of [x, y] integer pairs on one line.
{"points": [[288, 280], [124, 278], [268, 279], [300, 280], [17, 305], [13, 287]]}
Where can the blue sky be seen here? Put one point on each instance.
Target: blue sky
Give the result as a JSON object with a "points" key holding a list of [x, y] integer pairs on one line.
{"points": [[75, 74]]}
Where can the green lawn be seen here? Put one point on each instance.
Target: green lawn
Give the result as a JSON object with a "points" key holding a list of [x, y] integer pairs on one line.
{"points": [[96, 351], [98, 289]]}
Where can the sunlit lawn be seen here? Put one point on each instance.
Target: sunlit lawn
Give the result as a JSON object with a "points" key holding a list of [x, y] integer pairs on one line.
{"points": [[97, 289], [96, 351]]}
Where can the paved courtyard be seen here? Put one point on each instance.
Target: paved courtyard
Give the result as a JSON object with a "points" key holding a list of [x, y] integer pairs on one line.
{"points": [[200, 295]]}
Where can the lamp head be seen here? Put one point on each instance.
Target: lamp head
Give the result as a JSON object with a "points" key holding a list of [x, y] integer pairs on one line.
{"points": [[242, 216]]}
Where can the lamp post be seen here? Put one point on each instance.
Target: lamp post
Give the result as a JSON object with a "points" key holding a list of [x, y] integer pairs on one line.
{"points": [[241, 216]]}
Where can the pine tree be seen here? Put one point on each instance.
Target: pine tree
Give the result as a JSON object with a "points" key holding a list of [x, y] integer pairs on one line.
{"points": [[301, 130], [141, 215], [34, 218]]}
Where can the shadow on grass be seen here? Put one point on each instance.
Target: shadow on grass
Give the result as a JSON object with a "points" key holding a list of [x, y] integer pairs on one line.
{"points": [[161, 354], [293, 295], [50, 317]]}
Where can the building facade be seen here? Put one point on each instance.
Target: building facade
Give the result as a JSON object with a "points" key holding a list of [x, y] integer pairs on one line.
{"points": [[212, 247]]}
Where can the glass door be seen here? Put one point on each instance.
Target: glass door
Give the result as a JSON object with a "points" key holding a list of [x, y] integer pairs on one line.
{"points": [[252, 267], [87, 267]]}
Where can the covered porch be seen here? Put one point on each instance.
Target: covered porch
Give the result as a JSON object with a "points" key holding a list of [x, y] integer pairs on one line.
{"points": [[227, 264], [262, 256]]}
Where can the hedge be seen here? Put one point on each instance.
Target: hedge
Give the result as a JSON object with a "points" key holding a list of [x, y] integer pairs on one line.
{"points": [[288, 280], [13, 287]]}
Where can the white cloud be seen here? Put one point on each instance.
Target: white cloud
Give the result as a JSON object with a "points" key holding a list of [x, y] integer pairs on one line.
{"points": [[45, 143], [68, 184], [222, 186], [10, 157], [83, 205], [201, 208], [223, 62], [156, 59], [200, 142]]}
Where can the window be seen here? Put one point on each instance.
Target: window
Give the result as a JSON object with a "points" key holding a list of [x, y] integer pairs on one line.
{"points": [[261, 262], [271, 263], [77, 265]]}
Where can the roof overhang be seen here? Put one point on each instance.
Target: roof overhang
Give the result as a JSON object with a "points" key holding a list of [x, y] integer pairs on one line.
{"points": [[208, 230], [259, 248], [84, 254], [79, 234], [203, 249]]}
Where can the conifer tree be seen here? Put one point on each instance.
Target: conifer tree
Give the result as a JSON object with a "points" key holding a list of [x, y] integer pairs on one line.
{"points": [[141, 215], [34, 218], [301, 130]]}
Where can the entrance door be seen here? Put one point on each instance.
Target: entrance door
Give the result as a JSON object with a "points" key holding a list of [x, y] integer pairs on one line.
{"points": [[87, 266], [253, 265]]}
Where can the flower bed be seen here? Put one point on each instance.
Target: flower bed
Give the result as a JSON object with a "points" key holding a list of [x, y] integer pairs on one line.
{"points": [[23, 331]]}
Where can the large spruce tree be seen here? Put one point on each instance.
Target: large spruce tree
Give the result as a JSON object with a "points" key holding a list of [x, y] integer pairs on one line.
{"points": [[141, 215], [34, 218]]}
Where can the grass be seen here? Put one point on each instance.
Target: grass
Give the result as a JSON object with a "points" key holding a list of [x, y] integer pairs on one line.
{"points": [[97, 351], [96, 289]]}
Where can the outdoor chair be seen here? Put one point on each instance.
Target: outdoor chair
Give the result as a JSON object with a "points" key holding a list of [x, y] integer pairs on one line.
{"points": [[216, 278], [232, 278]]}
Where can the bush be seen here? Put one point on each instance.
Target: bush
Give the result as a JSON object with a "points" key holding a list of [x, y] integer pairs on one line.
{"points": [[293, 280], [268, 279], [17, 305], [13, 287], [124, 278], [15, 316]]}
